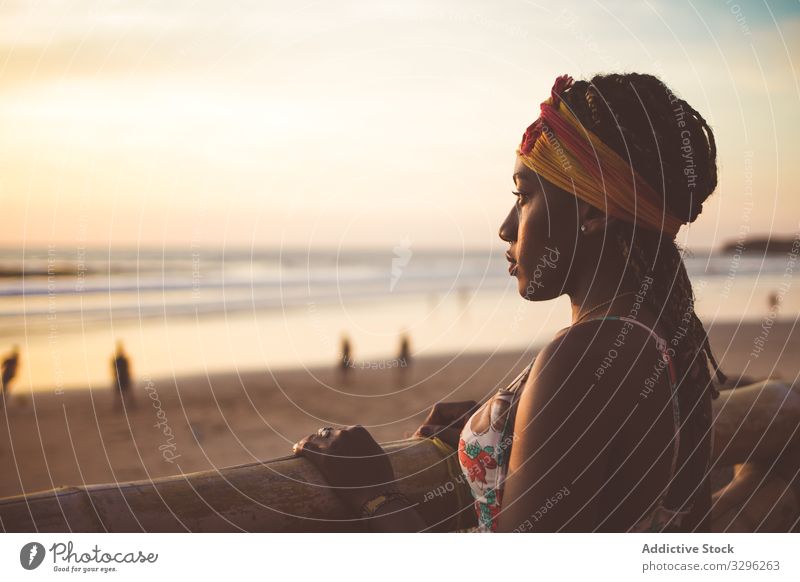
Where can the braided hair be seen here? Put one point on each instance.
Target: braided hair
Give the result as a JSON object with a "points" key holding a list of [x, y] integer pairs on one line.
{"points": [[672, 147]]}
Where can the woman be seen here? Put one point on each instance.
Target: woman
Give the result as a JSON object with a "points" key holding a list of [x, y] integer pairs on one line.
{"points": [[609, 429]]}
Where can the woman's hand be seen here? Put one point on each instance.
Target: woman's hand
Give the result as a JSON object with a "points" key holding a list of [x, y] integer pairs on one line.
{"points": [[351, 462], [446, 419]]}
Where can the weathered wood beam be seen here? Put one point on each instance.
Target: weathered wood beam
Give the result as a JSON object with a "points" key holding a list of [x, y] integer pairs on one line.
{"points": [[757, 424], [281, 495]]}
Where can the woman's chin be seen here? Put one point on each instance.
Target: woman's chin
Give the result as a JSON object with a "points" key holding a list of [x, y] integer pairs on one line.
{"points": [[531, 290], [525, 287]]}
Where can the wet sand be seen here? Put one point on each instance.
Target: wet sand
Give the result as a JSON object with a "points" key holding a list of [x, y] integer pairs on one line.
{"points": [[193, 423]]}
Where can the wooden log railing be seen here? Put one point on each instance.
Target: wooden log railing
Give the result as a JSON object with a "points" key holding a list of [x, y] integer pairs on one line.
{"points": [[756, 431], [282, 495]]}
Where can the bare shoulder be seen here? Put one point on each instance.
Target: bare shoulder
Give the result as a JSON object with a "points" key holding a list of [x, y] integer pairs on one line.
{"points": [[572, 415], [612, 355]]}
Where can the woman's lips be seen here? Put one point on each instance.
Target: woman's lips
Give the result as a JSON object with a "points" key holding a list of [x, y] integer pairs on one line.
{"points": [[512, 267]]}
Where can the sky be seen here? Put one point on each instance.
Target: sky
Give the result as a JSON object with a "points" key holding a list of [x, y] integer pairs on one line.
{"points": [[357, 124]]}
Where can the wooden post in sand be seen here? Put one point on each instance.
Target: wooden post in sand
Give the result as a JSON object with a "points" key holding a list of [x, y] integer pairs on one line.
{"points": [[281, 495], [757, 431]]}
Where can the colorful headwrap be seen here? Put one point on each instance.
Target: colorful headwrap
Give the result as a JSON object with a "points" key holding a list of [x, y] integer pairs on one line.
{"points": [[562, 151]]}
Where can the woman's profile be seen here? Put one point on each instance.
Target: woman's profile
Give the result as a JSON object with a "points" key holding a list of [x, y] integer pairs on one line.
{"points": [[609, 428]]}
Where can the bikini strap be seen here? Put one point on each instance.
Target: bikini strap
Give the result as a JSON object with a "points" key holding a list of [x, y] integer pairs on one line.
{"points": [[521, 379], [661, 343]]}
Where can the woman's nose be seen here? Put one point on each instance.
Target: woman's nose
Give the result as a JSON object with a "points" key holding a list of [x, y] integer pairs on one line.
{"points": [[508, 230]]}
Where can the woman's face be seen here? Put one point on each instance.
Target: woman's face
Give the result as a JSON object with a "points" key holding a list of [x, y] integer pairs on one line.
{"points": [[542, 229]]}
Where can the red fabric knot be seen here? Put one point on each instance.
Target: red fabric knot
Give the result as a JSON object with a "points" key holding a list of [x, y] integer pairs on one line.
{"points": [[530, 136], [561, 84]]}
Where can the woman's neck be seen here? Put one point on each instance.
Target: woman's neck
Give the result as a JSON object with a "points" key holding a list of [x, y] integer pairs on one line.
{"points": [[598, 291]]}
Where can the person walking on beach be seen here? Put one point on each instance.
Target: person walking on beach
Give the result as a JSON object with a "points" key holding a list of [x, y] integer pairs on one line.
{"points": [[346, 358], [403, 358], [404, 355], [587, 437], [121, 371], [774, 301], [10, 365]]}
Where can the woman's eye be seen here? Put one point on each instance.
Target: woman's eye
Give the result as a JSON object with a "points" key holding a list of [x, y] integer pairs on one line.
{"points": [[521, 197]]}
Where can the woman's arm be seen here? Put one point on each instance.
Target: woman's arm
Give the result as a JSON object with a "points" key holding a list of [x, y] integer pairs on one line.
{"points": [[359, 470], [396, 516], [566, 419]]}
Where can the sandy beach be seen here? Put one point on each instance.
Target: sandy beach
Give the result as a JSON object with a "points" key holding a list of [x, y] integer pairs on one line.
{"points": [[194, 423]]}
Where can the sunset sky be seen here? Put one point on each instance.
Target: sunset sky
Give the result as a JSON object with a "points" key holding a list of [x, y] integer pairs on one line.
{"points": [[357, 124]]}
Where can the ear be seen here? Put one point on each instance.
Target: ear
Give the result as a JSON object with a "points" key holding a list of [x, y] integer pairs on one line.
{"points": [[595, 220]]}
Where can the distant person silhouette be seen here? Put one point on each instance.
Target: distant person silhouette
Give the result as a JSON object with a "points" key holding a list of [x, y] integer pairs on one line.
{"points": [[773, 301], [10, 365], [346, 359], [121, 370], [404, 356]]}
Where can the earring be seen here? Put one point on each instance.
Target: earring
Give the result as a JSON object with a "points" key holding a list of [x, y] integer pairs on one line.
{"points": [[583, 228]]}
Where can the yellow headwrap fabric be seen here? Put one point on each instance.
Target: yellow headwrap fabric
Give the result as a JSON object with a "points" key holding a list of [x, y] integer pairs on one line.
{"points": [[562, 151]]}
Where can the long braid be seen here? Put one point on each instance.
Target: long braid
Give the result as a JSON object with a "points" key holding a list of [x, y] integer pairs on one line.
{"points": [[636, 115], [672, 299], [646, 124]]}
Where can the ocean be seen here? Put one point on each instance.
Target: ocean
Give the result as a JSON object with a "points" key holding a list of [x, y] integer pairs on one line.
{"points": [[196, 310]]}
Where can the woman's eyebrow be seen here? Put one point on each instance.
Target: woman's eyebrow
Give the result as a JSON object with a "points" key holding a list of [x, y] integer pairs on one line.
{"points": [[519, 177]]}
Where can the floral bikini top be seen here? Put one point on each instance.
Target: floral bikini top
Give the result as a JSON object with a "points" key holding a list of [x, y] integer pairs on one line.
{"points": [[485, 447]]}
